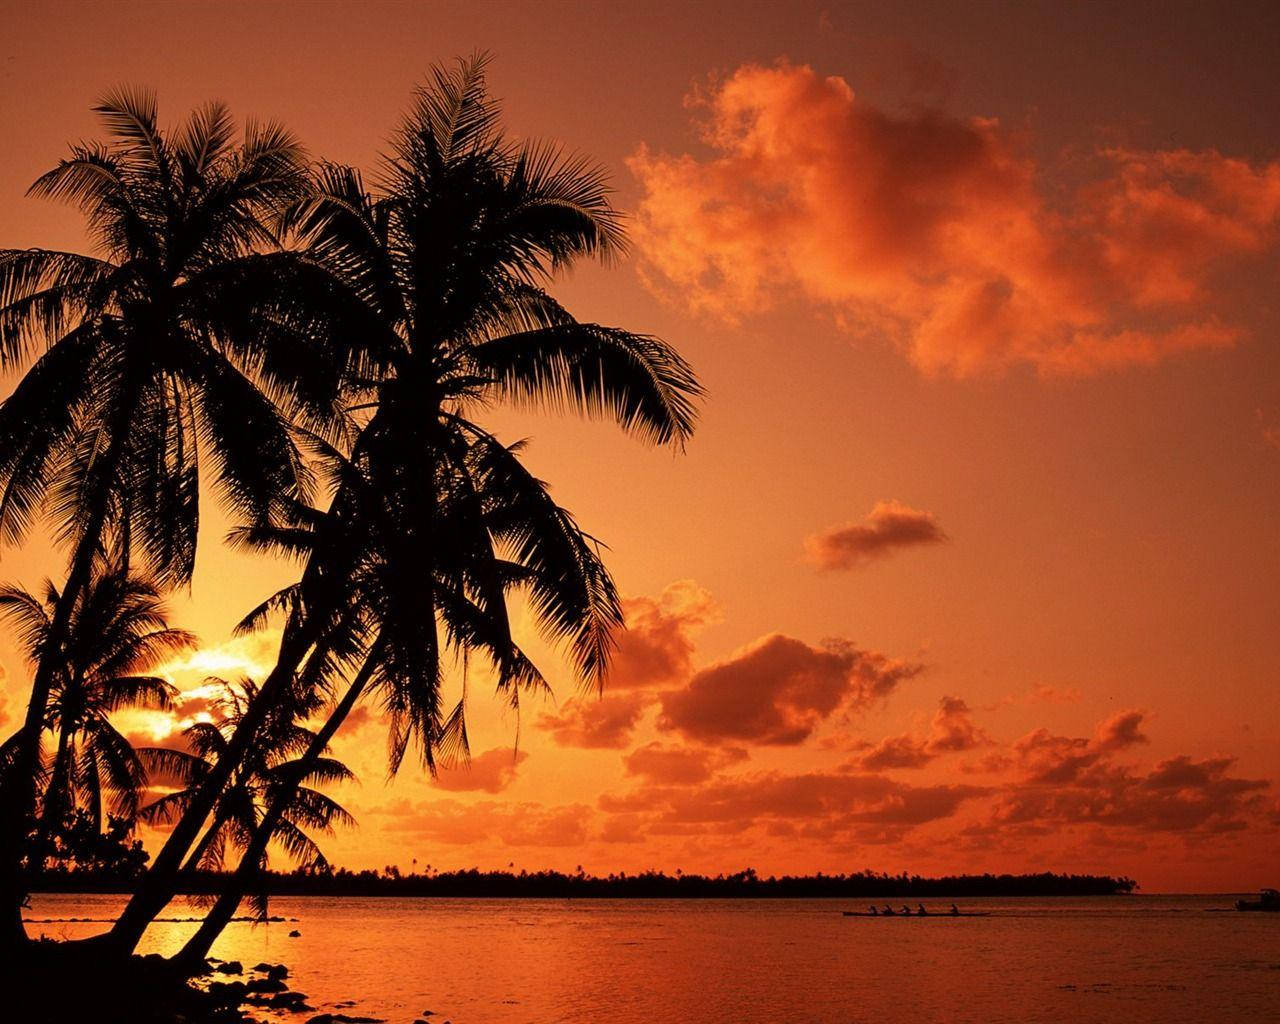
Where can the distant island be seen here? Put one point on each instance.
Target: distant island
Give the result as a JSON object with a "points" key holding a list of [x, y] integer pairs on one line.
{"points": [[745, 884]]}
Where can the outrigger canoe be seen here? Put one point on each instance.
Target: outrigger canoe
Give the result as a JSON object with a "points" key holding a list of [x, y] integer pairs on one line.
{"points": [[963, 913]]}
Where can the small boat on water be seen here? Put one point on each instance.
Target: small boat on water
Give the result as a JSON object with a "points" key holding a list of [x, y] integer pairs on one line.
{"points": [[962, 913], [1269, 899]]}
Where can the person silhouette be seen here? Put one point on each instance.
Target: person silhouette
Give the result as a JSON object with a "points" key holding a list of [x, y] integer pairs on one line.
{"points": [[874, 912], [954, 911], [920, 911]]}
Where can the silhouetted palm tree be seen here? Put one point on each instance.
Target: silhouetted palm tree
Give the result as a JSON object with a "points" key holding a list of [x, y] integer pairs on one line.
{"points": [[117, 634], [256, 783], [471, 620], [450, 257], [179, 341]]}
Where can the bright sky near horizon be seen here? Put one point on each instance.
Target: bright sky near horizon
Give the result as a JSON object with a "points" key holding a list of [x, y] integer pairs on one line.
{"points": [[972, 563]]}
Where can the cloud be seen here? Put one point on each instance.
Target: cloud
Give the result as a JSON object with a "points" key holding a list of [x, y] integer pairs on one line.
{"points": [[596, 722], [1061, 781], [939, 232], [1179, 794], [680, 766], [655, 650], [778, 689], [170, 741], [491, 772], [1044, 757], [952, 730], [820, 804], [889, 527], [253, 655], [656, 647], [358, 718]]}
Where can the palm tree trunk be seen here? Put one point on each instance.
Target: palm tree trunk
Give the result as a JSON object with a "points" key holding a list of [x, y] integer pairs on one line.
{"points": [[158, 886], [19, 798], [198, 946], [197, 854]]}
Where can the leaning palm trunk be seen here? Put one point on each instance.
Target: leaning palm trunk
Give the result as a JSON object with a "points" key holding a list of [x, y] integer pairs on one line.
{"points": [[19, 794], [303, 632], [206, 841], [159, 884], [220, 915]]}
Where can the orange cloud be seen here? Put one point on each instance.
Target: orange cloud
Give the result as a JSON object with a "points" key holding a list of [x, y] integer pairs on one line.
{"points": [[889, 527], [1051, 788], [952, 730], [777, 690], [596, 722], [833, 802], [655, 650], [1180, 794], [491, 772], [656, 647], [1042, 756], [936, 231], [679, 766]]}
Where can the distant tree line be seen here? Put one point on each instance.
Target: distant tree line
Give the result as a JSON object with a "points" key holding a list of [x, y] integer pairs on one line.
{"points": [[644, 885]]}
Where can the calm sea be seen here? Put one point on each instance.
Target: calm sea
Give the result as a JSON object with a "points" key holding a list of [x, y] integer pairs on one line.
{"points": [[1121, 959]]}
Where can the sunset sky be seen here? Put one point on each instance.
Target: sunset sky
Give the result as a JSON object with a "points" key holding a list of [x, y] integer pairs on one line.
{"points": [[972, 563]]}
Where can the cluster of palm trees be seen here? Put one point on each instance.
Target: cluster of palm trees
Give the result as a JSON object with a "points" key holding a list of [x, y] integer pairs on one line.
{"points": [[321, 351]]}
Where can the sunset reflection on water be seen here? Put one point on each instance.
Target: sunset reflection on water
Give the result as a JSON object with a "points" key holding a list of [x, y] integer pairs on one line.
{"points": [[1109, 959]]}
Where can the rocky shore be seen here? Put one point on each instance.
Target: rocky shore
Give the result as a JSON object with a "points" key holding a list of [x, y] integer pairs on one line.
{"points": [[59, 983]]}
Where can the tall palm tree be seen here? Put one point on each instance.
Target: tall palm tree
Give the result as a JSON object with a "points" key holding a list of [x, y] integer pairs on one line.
{"points": [[475, 518], [450, 257], [118, 633], [241, 807], [185, 338]]}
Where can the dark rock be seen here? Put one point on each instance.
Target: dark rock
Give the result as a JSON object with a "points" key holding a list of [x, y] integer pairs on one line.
{"points": [[295, 934], [267, 984], [226, 992], [231, 967]]}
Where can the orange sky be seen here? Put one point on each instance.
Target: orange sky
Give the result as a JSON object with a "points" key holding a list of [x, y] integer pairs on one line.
{"points": [[972, 563]]}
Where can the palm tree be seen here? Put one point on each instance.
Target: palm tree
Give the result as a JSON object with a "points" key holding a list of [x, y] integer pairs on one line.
{"points": [[240, 809], [117, 634], [469, 621], [450, 258], [181, 340]]}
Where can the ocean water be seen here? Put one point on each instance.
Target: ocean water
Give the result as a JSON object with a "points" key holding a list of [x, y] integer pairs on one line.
{"points": [[1111, 960]]}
